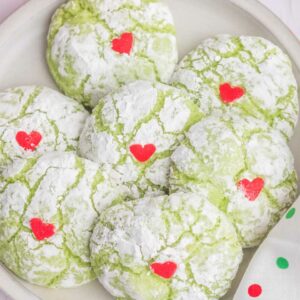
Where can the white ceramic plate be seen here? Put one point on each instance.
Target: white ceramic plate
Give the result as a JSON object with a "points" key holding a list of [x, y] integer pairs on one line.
{"points": [[22, 61]]}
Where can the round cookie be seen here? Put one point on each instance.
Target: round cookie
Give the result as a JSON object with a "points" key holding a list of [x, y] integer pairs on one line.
{"points": [[247, 75], [170, 247], [96, 46], [135, 131], [243, 167], [48, 208], [35, 120]]}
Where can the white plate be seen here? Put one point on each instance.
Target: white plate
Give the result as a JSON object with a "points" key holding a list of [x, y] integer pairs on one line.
{"points": [[22, 61]]}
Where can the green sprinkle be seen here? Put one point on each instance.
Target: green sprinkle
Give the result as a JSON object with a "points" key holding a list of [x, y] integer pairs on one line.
{"points": [[282, 263], [290, 213]]}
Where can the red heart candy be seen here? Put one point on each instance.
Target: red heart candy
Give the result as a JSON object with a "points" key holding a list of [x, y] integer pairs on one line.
{"points": [[230, 94], [252, 189], [123, 44], [142, 153], [165, 270], [28, 141], [41, 230]]}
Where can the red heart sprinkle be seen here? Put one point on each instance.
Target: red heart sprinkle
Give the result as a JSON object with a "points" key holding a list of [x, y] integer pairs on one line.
{"points": [[142, 153], [252, 189], [123, 44], [28, 141], [230, 94], [165, 270], [41, 230]]}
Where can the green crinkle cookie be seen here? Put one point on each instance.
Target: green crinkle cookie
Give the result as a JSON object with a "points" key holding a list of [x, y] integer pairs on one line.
{"points": [[175, 247], [96, 46], [35, 120], [135, 130], [243, 167], [48, 208], [246, 75]]}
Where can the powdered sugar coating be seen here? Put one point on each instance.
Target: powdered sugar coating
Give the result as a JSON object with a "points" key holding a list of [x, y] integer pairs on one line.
{"points": [[140, 113], [221, 151], [57, 118], [65, 191], [80, 54], [262, 69], [182, 228]]}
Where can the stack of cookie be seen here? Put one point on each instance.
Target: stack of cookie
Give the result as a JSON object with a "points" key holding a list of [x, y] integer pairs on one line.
{"points": [[148, 179]]}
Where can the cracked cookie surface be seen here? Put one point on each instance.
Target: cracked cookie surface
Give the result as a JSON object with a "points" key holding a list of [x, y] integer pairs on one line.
{"points": [[243, 167], [96, 46], [260, 69], [135, 130], [169, 247], [48, 207], [35, 120]]}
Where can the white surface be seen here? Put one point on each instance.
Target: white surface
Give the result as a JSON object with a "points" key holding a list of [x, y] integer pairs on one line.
{"points": [[8, 6], [288, 11], [22, 49], [276, 283]]}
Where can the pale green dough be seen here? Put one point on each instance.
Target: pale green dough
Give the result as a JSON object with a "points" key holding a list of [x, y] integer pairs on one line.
{"points": [[254, 64], [80, 53], [65, 191], [140, 113], [57, 119], [221, 151], [183, 229]]}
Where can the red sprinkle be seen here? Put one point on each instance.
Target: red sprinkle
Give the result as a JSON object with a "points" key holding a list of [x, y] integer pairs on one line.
{"points": [[254, 290]]}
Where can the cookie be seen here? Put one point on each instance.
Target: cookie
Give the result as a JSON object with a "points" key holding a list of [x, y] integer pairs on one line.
{"points": [[169, 247], [135, 130], [246, 75], [48, 208], [243, 167], [96, 46], [35, 120]]}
